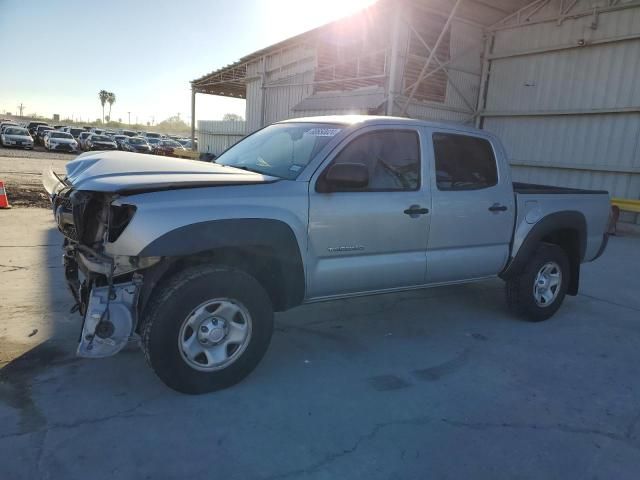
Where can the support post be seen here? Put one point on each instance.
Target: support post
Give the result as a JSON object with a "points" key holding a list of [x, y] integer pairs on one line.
{"points": [[484, 79], [193, 119], [393, 63]]}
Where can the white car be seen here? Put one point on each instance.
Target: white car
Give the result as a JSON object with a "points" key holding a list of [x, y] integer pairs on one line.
{"points": [[16, 137], [60, 141]]}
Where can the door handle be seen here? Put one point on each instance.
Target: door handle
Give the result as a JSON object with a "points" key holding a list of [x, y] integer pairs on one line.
{"points": [[496, 207], [415, 210]]}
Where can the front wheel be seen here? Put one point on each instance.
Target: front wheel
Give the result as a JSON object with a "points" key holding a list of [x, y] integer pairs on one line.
{"points": [[207, 328], [537, 293]]}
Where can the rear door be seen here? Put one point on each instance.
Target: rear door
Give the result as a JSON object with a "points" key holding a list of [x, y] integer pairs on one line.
{"points": [[473, 208], [373, 238]]}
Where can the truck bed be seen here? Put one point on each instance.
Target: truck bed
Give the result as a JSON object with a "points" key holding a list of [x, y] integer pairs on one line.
{"points": [[532, 188]]}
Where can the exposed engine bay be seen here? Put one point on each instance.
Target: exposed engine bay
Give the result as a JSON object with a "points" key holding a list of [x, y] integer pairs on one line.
{"points": [[105, 288]]}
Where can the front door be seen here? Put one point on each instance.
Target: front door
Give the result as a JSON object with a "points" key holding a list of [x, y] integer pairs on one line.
{"points": [[375, 237]]}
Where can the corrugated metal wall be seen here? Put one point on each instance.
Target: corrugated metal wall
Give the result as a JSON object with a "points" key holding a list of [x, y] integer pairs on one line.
{"points": [[293, 66], [543, 104], [217, 136]]}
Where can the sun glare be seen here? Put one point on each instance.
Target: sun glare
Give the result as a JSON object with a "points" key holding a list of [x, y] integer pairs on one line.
{"points": [[291, 17]]}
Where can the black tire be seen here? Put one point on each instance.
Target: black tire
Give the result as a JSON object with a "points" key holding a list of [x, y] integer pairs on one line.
{"points": [[172, 303], [520, 290]]}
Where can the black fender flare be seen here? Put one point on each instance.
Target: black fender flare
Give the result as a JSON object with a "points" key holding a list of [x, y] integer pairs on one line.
{"points": [[202, 237], [565, 220]]}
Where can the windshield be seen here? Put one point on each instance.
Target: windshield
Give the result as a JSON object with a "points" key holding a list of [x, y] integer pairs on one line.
{"points": [[153, 140], [60, 135], [16, 131], [153, 135], [76, 131], [281, 150], [100, 138], [136, 141]]}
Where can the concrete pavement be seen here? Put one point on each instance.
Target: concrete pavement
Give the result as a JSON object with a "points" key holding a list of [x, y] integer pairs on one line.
{"points": [[440, 383]]}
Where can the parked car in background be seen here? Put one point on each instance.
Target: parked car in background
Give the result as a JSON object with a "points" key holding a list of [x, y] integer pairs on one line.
{"points": [[97, 131], [75, 131], [82, 139], [149, 135], [186, 143], [152, 142], [40, 132], [87, 128], [167, 148], [119, 139], [100, 142], [32, 126], [137, 145], [15, 136], [128, 133], [59, 127], [7, 123], [60, 141]]}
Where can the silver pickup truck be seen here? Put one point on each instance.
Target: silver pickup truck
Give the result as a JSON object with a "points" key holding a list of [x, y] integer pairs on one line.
{"points": [[193, 258]]}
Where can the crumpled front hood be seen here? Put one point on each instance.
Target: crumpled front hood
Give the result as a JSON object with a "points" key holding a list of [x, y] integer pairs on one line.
{"points": [[133, 172]]}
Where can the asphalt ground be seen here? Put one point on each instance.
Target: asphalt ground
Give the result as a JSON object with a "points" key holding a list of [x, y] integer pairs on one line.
{"points": [[439, 383]]}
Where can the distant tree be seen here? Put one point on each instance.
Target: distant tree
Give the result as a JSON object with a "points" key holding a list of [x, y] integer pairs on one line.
{"points": [[173, 124], [107, 118], [104, 96], [233, 117], [111, 99]]}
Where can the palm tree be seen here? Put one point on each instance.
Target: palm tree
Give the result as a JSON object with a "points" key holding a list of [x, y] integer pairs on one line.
{"points": [[111, 99], [104, 96]]}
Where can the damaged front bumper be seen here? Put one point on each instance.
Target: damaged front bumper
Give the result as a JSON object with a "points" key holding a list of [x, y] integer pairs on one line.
{"points": [[108, 309], [105, 287]]}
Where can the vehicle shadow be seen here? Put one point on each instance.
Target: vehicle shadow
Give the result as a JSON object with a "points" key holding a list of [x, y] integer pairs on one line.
{"points": [[48, 386]]}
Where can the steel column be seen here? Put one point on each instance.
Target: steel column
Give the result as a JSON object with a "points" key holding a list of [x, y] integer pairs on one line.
{"points": [[393, 63], [193, 119]]}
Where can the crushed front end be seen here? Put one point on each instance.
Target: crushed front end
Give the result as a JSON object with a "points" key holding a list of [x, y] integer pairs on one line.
{"points": [[106, 288]]}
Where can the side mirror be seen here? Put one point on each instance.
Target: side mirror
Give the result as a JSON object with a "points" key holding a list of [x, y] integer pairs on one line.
{"points": [[345, 176]]}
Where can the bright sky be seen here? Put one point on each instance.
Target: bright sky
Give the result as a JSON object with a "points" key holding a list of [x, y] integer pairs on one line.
{"points": [[58, 55]]}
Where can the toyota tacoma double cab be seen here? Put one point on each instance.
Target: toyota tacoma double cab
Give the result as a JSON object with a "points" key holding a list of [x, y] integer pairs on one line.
{"points": [[192, 258]]}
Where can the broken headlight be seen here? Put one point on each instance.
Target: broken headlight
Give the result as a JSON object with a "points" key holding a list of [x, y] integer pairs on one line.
{"points": [[119, 218]]}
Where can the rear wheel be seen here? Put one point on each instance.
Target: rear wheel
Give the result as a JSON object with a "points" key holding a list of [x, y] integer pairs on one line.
{"points": [[537, 293], [207, 328]]}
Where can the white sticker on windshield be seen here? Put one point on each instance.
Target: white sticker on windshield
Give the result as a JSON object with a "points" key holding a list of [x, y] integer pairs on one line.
{"points": [[323, 132]]}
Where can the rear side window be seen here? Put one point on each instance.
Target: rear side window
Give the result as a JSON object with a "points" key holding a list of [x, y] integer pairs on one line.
{"points": [[391, 156], [463, 162]]}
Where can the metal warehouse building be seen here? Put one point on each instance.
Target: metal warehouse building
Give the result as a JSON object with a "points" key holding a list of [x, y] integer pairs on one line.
{"points": [[557, 80]]}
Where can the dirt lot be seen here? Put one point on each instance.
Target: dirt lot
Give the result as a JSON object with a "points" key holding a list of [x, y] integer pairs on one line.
{"points": [[21, 171], [441, 383]]}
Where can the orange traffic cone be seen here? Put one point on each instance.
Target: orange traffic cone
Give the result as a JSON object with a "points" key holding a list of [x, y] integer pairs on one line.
{"points": [[4, 200]]}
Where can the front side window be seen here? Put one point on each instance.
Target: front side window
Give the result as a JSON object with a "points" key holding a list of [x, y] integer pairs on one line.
{"points": [[463, 162], [392, 158]]}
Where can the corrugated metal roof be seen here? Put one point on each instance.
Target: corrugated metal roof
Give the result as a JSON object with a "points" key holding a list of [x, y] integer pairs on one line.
{"points": [[360, 100]]}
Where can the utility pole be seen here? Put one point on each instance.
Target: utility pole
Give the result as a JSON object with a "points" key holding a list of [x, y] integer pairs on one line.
{"points": [[21, 108], [129, 113]]}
